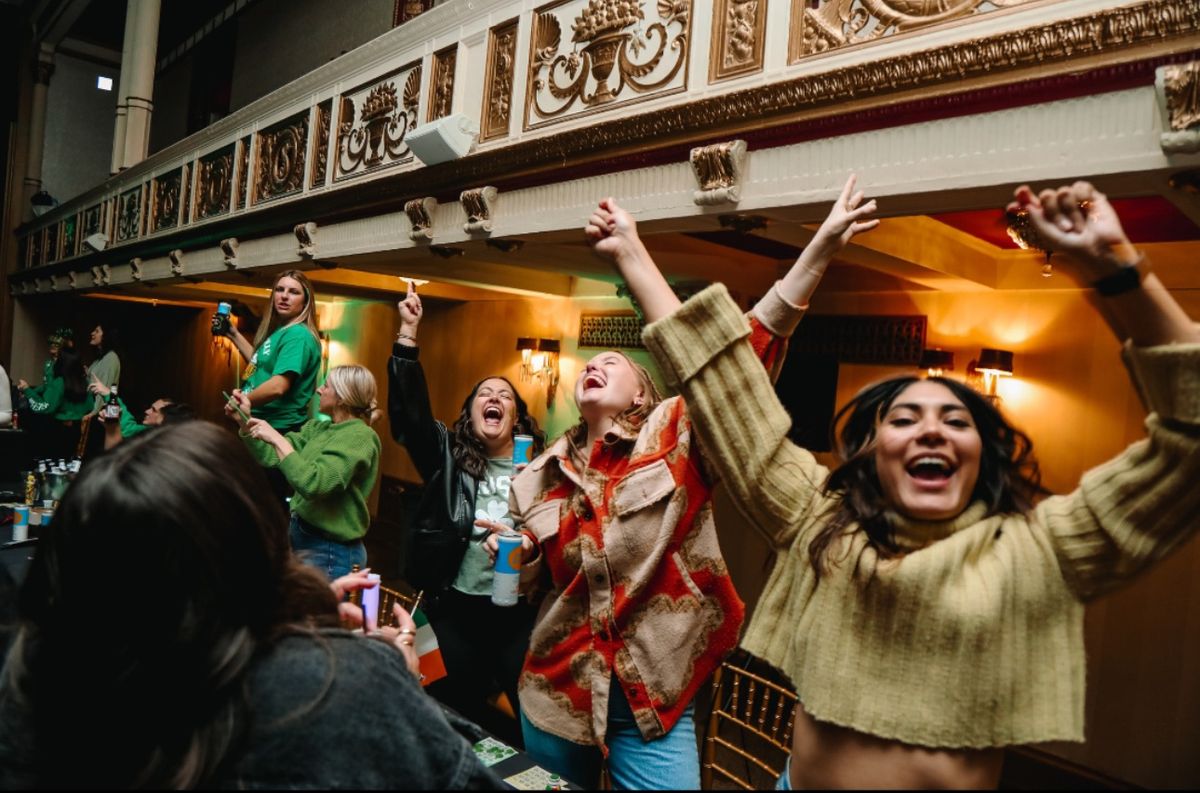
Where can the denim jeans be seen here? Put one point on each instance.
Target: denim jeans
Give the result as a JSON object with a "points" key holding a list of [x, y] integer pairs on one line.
{"points": [[330, 556], [785, 779], [671, 762]]}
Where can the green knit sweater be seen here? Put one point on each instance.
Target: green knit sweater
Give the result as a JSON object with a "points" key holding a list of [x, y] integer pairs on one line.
{"points": [[974, 637], [333, 471]]}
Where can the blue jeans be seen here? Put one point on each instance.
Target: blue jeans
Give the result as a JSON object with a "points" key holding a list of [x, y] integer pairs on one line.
{"points": [[785, 779], [329, 556], [671, 762]]}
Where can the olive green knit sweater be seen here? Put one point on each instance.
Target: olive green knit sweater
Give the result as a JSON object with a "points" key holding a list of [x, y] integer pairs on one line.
{"points": [[974, 637]]}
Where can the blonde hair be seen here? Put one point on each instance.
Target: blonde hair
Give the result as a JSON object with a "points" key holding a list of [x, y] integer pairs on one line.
{"points": [[630, 419], [308, 316], [355, 388]]}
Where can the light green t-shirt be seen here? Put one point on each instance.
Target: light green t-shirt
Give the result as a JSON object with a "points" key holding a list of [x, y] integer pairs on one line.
{"points": [[290, 349], [491, 503]]}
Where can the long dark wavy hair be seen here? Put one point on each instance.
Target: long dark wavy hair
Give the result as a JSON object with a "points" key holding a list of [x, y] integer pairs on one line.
{"points": [[164, 573], [469, 453], [69, 366], [1009, 479]]}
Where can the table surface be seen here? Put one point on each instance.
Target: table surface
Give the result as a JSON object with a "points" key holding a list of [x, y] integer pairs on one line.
{"points": [[518, 764]]}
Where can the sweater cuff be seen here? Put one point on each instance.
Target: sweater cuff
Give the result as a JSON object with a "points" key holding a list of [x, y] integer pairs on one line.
{"points": [[778, 314], [1168, 378], [404, 351], [291, 467], [684, 342]]}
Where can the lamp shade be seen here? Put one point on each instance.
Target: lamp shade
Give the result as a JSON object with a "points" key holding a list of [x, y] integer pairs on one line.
{"points": [[526, 343], [934, 358], [548, 345], [998, 361]]}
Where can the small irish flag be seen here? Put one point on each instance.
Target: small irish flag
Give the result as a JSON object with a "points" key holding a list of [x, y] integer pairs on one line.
{"points": [[430, 656]]}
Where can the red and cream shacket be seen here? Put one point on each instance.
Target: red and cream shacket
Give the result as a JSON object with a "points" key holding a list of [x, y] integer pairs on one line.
{"points": [[639, 591]]}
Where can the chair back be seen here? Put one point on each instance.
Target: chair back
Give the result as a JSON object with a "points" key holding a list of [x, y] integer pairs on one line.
{"points": [[750, 727], [388, 598]]}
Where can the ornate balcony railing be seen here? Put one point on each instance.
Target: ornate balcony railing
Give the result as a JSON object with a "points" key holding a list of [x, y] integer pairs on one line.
{"points": [[565, 81]]}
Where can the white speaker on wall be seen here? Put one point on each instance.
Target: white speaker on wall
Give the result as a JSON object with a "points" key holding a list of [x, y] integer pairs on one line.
{"points": [[96, 241], [443, 139]]}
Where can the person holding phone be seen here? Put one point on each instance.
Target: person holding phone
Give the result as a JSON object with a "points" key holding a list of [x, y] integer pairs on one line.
{"points": [[222, 657], [331, 465], [467, 471]]}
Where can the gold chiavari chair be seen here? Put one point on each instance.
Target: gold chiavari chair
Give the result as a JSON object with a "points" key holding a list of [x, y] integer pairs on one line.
{"points": [[388, 597], [749, 730]]}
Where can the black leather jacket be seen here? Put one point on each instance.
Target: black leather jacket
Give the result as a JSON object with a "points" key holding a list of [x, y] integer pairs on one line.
{"points": [[441, 528]]}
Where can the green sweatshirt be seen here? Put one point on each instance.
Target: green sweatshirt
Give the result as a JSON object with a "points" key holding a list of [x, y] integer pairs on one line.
{"points": [[333, 470], [50, 398]]}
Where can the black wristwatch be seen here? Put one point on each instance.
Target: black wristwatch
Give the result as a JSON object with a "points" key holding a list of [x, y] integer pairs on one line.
{"points": [[1125, 279]]}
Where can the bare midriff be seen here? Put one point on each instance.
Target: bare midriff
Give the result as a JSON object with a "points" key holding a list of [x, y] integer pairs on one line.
{"points": [[827, 756]]}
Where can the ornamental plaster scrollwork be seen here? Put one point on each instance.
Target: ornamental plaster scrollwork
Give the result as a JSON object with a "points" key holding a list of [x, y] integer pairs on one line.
{"points": [[321, 144], [214, 183], [73, 280], [420, 216], [374, 120], [501, 68], [280, 159], [441, 87], [480, 205], [1178, 90], [306, 235], [718, 169], [164, 205], [176, 257], [135, 269], [243, 196], [738, 38], [620, 51], [101, 275], [129, 217], [229, 248], [840, 23]]}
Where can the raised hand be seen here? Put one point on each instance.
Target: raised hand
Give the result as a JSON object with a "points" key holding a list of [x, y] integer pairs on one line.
{"points": [[257, 428], [848, 216], [1077, 220], [612, 232], [241, 401], [410, 311]]}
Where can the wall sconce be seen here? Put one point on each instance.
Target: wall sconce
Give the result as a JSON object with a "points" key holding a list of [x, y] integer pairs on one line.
{"points": [[936, 361], [539, 363], [991, 365]]}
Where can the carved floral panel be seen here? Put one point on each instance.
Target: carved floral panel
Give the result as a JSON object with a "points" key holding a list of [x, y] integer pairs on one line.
{"points": [[373, 121], [93, 220], [840, 23], [52, 235], [70, 235], [321, 144], [214, 183], [243, 196], [498, 81], [129, 214], [165, 193], [36, 247], [281, 152], [441, 87], [739, 30], [593, 55]]}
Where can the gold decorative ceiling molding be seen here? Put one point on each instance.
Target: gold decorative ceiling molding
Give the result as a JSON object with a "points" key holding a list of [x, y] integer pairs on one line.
{"points": [[1182, 89], [1115, 32], [843, 23], [738, 38]]}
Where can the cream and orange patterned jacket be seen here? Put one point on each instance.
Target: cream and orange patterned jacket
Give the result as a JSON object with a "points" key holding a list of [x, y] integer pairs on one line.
{"points": [[629, 553]]}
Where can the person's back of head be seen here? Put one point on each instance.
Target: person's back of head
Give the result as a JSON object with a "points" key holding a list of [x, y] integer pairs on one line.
{"points": [[164, 572], [69, 366], [175, 412]]}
